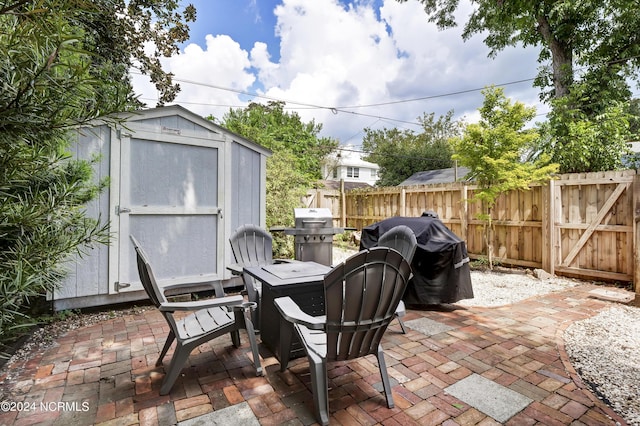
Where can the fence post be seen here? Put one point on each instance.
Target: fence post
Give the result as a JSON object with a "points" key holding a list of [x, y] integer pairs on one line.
{"points": [[343, 206], [548, 227], [464, 213], [636, 233], [403, 201]]}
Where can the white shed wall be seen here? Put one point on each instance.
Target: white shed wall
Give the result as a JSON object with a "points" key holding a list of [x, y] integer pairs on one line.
{"points": [[91, 279]]}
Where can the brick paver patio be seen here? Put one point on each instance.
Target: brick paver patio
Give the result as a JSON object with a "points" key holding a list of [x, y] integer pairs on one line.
{"points": [[105, 374]]}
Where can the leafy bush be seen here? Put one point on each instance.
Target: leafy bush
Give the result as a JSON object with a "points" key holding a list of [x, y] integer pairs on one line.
{"points": [[64, 63], [42, 221]]}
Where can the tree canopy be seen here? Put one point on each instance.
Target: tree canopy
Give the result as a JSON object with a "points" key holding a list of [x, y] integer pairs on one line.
{"points": [[598, 38], [401, 153], [589, 52], [298, 151], [580, 140], [494, 147], [68, 61], [274, 128]]}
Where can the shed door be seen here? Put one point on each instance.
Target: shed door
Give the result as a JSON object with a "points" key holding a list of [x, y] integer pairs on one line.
{"points": [[170, 200]]}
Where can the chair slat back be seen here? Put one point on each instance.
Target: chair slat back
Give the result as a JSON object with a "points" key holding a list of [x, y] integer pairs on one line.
{"points": [[146, 275], [252, 246], [402, 239], [361, 296]]}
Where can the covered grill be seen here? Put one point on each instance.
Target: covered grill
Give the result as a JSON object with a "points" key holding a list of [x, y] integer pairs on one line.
{"points": [[440, 265], [313, 235]]}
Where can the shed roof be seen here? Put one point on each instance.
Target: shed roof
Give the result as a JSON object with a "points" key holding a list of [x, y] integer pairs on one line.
{"points": [[436, 176], [178, 110]]}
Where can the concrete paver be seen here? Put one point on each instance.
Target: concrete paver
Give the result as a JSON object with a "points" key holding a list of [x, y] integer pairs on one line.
{"points": [[489, 397]]}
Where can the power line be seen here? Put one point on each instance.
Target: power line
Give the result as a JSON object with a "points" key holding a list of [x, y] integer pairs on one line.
{"points": [[199, 103], [460, 92], [341, 108], [336, 109]]}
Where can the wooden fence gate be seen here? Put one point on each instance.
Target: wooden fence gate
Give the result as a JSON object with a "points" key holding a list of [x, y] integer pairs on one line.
{"points": [[593, 229]]}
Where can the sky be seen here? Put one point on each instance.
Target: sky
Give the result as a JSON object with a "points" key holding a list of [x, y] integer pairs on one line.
{"points": [[348, 65]]}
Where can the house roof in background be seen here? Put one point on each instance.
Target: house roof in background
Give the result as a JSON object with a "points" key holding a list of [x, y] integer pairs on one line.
{"points": [[335, 184], [435, 176]]}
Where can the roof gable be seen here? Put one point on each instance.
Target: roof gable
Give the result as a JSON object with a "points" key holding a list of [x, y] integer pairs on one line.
{"points": [[436, 176], [176, 119]]}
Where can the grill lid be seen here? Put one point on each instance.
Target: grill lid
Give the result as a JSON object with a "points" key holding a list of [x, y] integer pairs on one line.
{"points": [[313, 218], [312, 221], [319, 213]]}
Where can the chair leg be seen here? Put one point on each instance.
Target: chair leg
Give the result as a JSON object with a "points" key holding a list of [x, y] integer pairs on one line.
{"points": [[385, 378], [320, 386], [404, 330], [400, 312], [254, 293], [235, 338], [175, 366], [252, 341], [167, 344], [286, 335], [255, 316]]}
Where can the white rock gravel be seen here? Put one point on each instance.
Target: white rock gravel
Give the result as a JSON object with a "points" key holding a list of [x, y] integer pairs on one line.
{"points": [[499, 288], [605, 351]]}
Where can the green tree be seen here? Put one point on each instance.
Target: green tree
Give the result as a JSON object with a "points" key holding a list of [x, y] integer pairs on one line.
{"points": [[633, 159], [592, 48], [295, 164], [634, 119], [401, 153], [493, 150], [580, 140], [64, 63], [600, 37]]}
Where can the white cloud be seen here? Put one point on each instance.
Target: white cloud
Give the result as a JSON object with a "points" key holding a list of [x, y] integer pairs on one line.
{"points": [[336, 56], [221, 64]]}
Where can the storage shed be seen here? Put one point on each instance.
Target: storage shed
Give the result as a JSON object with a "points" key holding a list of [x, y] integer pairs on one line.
{"points": [[180, 184]]}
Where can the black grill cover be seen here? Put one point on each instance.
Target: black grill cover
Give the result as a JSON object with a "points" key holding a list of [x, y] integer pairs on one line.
{"points": [[440, 265]]}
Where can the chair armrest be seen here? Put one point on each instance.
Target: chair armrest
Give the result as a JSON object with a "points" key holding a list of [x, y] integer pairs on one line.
{"points": [[202, 304], [193, 287], [291, 312], [175, 289], [235, 269], [286, 261]]}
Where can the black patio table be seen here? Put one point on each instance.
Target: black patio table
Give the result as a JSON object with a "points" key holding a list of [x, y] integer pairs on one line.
{"points": [[303, 282]]}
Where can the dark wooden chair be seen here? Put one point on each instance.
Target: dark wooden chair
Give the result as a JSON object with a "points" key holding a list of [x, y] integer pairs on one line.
{"points": [[402, 239], [206, 320], [361, 296]]}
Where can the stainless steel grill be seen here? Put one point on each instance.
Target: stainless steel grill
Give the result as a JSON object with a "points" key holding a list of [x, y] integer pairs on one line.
{"points": [[313, 235]]}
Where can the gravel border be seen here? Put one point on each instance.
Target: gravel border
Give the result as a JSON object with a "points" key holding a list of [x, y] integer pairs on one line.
{"points": [[491, 288], [605, 352]]}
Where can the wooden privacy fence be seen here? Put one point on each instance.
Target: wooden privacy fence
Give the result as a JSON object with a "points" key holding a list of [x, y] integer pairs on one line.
{"points": [[579, 225]]}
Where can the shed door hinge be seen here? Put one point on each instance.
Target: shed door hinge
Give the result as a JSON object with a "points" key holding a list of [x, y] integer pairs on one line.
{"points": [[118, 285]]}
